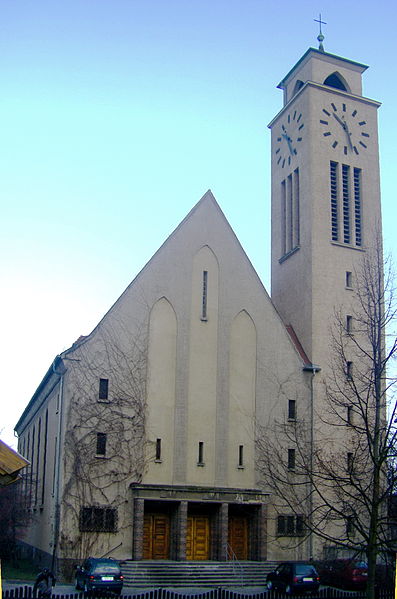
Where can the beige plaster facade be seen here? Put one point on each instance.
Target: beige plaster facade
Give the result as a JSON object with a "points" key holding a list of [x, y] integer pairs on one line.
{"points": [[142, 436]]}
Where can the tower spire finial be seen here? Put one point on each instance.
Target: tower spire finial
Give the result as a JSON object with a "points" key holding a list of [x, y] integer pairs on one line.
{"points": [[320, 36]]}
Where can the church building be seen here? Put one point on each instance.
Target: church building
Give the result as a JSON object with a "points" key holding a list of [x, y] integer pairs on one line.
{"points": [[142, 437]]}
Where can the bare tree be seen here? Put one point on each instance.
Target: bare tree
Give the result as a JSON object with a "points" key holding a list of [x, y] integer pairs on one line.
{"points": [[15, 514], [344, 451], [105, 445]]}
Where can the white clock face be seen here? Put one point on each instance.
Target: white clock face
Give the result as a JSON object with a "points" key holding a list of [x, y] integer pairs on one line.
{"points": [[344, 128], [289, 137]]}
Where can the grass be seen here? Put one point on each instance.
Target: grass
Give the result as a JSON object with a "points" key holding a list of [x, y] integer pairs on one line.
{"points": [[21, 569]]}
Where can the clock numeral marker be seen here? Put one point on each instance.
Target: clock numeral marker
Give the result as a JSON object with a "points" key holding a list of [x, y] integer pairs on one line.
{"points": [[345, 150], [279, 160], [326, 112], [283, 163], [279, 139], [355, 149], [289, 118], [298, 139], [299, 117], [301, 127], [334, 107], [323, 122], [362, 144], [334, 144], [344, 107], [365, 134], [327, 133], [289, 160], [361, 123], [354, 112], [278, 150]]}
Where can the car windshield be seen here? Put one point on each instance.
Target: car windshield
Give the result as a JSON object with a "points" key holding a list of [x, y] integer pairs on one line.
{"points": [[106, 569], [305, 570]]}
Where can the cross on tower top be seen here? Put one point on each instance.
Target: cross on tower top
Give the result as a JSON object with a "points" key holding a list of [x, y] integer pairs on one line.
{"points": [[320, 36]]}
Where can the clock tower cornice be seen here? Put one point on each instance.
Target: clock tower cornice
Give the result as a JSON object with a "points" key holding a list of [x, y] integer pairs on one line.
{"points": [[330, 90], [324, 57]]}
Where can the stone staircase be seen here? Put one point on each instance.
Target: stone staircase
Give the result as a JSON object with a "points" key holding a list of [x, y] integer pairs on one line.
{"points": [[167, 574]]}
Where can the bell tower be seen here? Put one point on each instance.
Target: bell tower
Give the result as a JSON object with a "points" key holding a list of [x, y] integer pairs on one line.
{"points": [[325, 193]]}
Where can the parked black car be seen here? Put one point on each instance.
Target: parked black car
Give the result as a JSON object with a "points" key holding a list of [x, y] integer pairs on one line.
{"points": [[99, 574], [294, 577]]}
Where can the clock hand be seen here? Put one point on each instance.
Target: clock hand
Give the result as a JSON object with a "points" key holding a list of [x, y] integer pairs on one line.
{"points": [[288, 140], [340, 121], [345, 127]]}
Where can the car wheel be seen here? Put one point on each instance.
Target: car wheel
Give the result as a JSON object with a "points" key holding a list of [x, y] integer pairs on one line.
{"points": [[269, 585]]}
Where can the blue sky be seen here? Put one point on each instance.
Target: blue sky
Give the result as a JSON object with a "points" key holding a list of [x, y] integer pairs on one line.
{"points": [[117, 116]]}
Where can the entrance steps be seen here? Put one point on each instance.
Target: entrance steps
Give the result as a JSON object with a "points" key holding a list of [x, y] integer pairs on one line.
{"points": [[168, 574]]}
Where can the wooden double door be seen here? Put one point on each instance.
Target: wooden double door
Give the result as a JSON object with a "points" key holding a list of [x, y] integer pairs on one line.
{"points": [[156, 537]]}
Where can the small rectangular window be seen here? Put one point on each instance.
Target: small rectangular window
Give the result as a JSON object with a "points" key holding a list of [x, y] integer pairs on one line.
{"points": [[98, 519], [101, 444], [349, 525], [349, 279], [290, 525], [349, 324], [200, 461], [349, 414], [241, 456], [349, 371], [158, 450], [291, 409], [291, 459], [103, 389], [349, 462]]}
